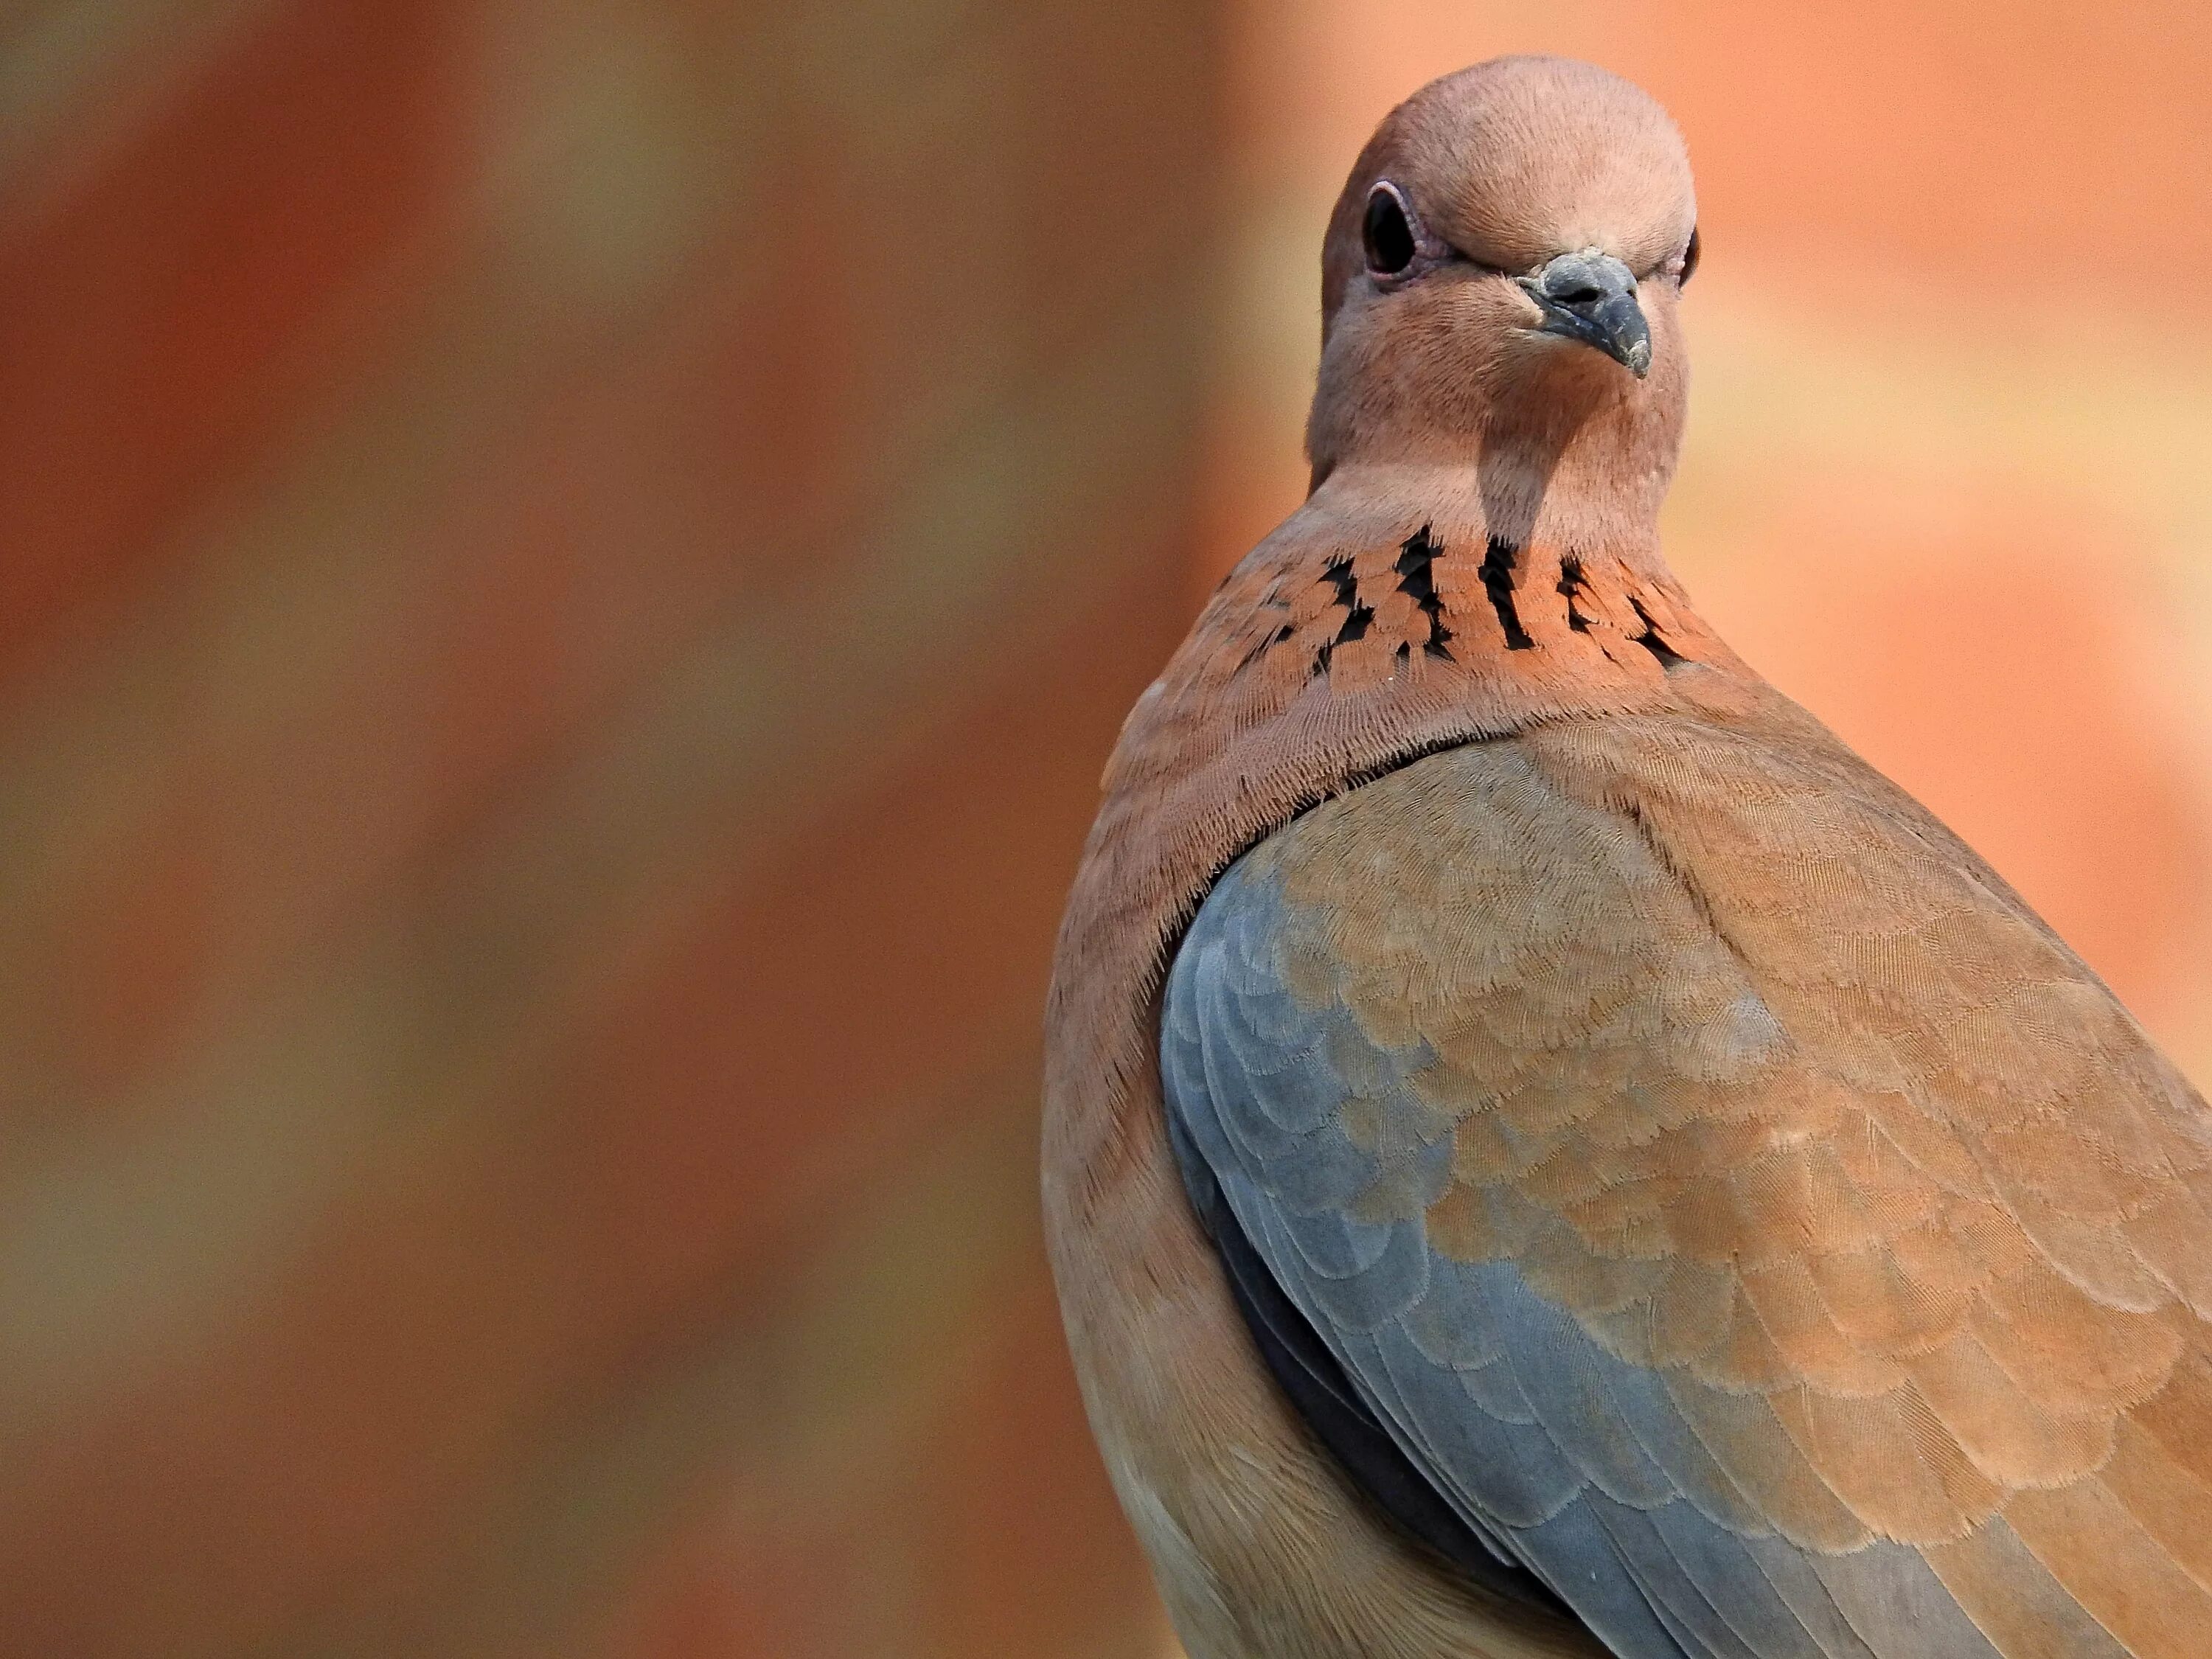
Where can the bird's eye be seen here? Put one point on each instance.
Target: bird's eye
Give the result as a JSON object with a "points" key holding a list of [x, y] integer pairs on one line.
{"points": [[1689, 257], [1389, 234]]}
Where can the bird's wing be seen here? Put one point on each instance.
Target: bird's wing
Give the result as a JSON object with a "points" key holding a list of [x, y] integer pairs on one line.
{"points": [[1723, 1192]]}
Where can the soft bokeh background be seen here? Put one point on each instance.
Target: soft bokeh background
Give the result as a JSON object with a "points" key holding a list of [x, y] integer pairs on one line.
{"points": [[567, 569]]}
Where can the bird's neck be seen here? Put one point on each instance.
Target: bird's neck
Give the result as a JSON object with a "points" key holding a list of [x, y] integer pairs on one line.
{"points": [[1580, 459], [1596, 502], [1397, 607]]}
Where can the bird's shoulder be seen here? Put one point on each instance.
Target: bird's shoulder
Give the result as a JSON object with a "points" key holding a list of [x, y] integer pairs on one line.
{"points": [[1743, 868]]}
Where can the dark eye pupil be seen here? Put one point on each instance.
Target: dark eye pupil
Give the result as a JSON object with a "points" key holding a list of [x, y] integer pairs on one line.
{"points": [[1690, 255], [1389, 238]]}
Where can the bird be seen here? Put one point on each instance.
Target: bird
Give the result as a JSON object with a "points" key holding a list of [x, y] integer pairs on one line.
{"points": [[1546, 1152]]}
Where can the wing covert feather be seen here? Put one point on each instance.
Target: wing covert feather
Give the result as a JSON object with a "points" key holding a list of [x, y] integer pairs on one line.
{"points": [[1725, 1193]]}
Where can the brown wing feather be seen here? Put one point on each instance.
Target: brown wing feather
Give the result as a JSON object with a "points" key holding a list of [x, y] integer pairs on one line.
{"points": [[1820, 1120]]}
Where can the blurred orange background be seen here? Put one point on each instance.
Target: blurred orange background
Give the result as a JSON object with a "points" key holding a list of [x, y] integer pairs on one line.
{"points": [[567, 571]]}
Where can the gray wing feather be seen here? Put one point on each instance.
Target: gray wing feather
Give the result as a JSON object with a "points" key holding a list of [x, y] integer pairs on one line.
{"points": [[1581, 1463]]}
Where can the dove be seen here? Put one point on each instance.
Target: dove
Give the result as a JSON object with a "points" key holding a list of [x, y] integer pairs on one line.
{"points": [[1546, 1152]]}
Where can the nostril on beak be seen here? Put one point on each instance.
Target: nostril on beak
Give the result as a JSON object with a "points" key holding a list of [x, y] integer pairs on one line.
{"points": [[1584, 279], [1592, 297]]}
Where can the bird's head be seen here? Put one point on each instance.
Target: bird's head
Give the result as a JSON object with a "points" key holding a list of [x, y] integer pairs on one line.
{"points": [[1502, 271]]}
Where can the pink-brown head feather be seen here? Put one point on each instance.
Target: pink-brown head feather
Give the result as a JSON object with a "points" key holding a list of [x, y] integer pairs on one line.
{"points": [[1503, 167]]}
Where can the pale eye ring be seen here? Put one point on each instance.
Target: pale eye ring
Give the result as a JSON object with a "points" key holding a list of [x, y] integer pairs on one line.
{"points": [[1387, 230], [1689, 261]]}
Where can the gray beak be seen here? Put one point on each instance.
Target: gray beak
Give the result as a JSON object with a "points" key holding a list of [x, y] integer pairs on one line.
{"points": [[1591, 297]]}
